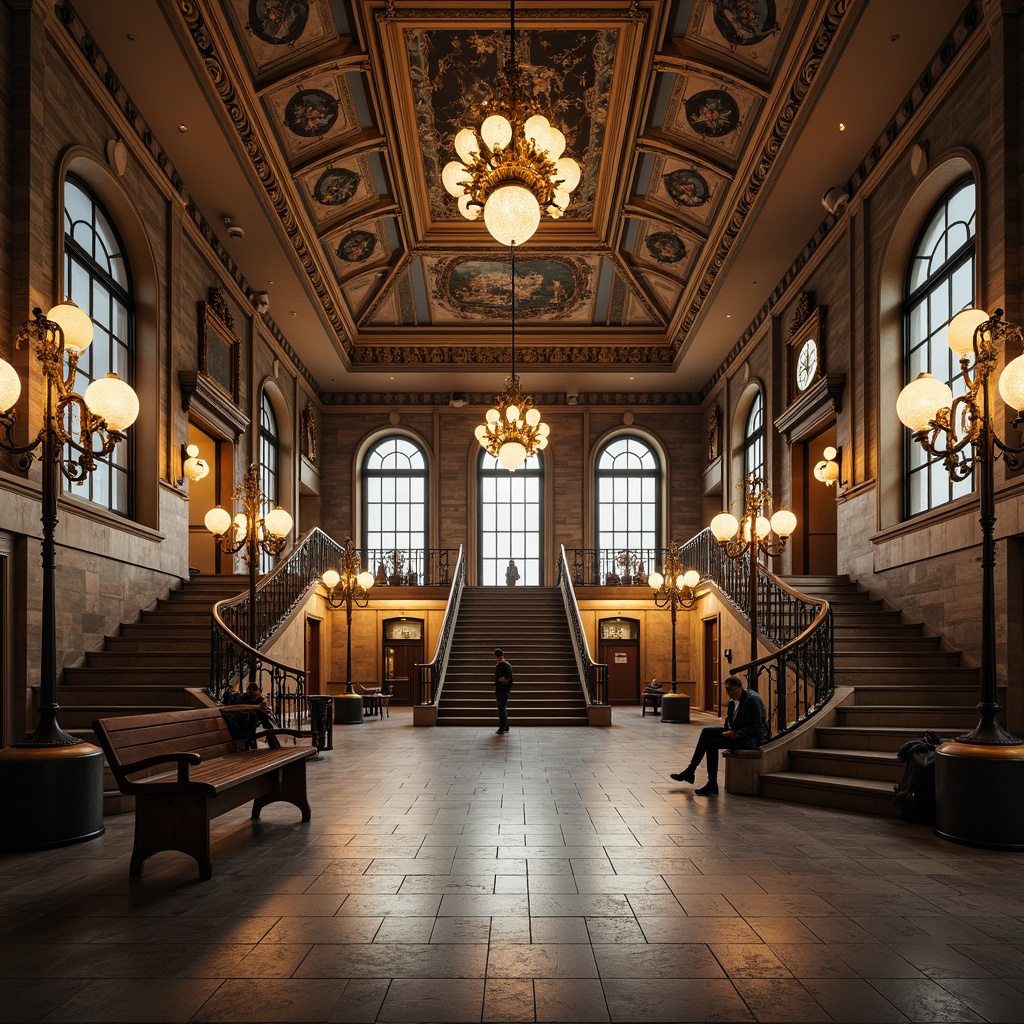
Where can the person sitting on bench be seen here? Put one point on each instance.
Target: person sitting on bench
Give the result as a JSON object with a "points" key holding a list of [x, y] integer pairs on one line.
{"points": [[243, 727], [745, 728]]}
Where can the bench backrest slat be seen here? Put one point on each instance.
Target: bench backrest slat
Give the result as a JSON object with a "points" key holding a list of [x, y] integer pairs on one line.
{"points": [[137, 737]]}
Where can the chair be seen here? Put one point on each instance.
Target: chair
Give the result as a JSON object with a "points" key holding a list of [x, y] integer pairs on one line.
{"points": [[375, 699]]}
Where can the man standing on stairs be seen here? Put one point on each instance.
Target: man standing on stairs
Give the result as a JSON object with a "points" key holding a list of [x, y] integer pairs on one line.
{"points": [[503, 680], [745, 728]]}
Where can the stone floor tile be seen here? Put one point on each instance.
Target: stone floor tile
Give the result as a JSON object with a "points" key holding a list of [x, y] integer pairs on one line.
{"points": [[559, 929], [275, 1000], [570, 999], [673, 1000], [507, 1000], [852, 1001], [780, 999], [709, 930], [425, 1001], [995, 1000], [133, 1000], [550, 960], [922, 999], [749, 960], [664, 960], [615, 929]]}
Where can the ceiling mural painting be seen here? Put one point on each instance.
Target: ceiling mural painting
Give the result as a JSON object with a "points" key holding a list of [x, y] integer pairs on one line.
{"points": [[749, 31], [335, 189], [311, 111], [568, 72], [691, 190], [718, 115], [275, 32]]}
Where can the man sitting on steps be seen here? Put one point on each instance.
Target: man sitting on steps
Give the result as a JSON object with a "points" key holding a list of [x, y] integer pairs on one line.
{"points": [[745, 728]]}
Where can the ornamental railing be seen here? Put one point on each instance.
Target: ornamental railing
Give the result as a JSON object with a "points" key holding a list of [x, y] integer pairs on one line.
{"points": [[798, 677], [277, 595], [593, 675], [431, 674], [609, 567], [411, 567]]}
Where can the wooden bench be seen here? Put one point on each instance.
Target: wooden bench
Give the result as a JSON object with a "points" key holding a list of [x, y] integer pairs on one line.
{"points": [[173, 809]]}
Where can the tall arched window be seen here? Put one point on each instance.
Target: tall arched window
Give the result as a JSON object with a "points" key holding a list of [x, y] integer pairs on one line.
{"points": [[394, 479], [940, 282], [753, 439], [628, 481], [270, 463], [97, 278], [511, 521]]}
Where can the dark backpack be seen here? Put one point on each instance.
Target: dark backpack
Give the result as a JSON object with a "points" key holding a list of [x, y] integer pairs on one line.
{"points": [[915, 792]]}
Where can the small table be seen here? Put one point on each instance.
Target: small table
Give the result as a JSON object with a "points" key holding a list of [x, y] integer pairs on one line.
{"points": [[651, 699], [373, 705]]}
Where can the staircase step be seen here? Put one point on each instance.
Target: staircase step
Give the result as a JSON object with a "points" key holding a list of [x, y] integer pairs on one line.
{"points": [[879, 765], [113, 658], [897, 657], [865, 795], [153, 676], [879, 737], [939, 719], [873, 675], [917, 694]]}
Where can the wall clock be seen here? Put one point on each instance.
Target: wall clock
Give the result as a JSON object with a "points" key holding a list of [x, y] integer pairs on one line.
{"points": [[806, 354]]}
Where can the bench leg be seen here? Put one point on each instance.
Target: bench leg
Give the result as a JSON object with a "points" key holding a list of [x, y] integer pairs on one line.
{"points": [[291, 788], [171, 821]]}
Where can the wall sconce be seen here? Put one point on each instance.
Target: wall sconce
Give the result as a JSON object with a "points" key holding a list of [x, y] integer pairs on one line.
{"points": [[192, 466], [829, 470]]}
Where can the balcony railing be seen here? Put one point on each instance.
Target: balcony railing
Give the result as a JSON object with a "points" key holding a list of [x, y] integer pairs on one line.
{"points": [[431, 674], [411, 567], [605, 567], [277, 595]]}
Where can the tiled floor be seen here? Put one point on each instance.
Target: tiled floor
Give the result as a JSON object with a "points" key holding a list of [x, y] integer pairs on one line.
{"points": [[547, 875]]}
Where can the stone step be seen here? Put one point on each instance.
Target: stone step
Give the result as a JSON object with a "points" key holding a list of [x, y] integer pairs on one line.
{"points": [[879, 765], [81, 716], [898, 657], [152, 676], [116, 694], [169, 641], [917, 694], [516, 721], [939, 719], [127, 659], [888, 646], [873, 675], [868, 796], [885, 738], [844, 630], [174, 617]]}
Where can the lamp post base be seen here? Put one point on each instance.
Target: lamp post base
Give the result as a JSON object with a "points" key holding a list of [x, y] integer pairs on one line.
{"points": [[977, 788], [50, 796], [348, 709], [675, 707]]}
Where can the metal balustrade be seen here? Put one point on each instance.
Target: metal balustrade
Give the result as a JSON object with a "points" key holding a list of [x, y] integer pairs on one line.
{"points": [[411, 567], [797, 678], [593, 675], [431, 674], [277, 595]]}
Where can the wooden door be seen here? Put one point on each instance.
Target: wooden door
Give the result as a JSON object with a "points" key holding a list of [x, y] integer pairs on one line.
{"points": [[312, 656], [623, 661], [712, 667], [400, 661], [817, 554]]}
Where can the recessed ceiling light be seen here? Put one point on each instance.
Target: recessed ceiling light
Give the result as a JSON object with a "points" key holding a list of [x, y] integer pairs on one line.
{"points": [[182, 128], [842, 126]]}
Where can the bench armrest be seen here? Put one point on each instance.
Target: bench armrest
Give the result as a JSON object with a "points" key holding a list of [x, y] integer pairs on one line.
{"points": [[183, 760]]}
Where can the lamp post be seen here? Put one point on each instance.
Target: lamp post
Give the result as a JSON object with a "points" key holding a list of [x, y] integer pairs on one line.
{"points": [[53, 790], [350, 586], [760, 531], [674, 589], [981, 769], [250, 531]]}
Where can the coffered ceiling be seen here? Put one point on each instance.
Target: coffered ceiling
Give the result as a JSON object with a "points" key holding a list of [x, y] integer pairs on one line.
{"points": [[707, 131]]}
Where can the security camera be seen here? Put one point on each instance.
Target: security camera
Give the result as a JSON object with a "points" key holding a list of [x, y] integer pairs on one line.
{"points": [[835, 199], [262, 302]]}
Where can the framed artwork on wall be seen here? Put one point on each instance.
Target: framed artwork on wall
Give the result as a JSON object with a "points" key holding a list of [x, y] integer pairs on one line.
{"points": [[219, 348]]}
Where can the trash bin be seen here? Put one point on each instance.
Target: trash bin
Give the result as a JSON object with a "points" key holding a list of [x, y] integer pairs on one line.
{"points": [[321, 721]]}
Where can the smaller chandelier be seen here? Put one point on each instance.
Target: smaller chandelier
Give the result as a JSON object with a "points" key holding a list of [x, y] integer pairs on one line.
{"points": [[513, 431], [511, 169]]}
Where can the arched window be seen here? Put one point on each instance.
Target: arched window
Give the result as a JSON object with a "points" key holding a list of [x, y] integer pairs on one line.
{"points": [[394, 485], [940, 282], [270, 463], [628, 481], [753, 439], [511, 521], [97, 278]]}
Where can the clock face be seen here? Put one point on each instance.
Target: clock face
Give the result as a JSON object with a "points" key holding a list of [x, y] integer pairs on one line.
{"points": [[806, 364]]}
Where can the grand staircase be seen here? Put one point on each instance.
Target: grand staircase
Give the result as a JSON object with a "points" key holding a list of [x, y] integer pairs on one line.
{"points": [[151, 663], [529, 624], [905, 682]]}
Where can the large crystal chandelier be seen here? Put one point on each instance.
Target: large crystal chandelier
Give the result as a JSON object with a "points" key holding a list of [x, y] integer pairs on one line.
{"points": [[513, 431], [511, 169]]}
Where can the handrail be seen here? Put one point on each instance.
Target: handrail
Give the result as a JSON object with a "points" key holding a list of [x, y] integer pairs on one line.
{"points": [[799, 674], [277, 594], [431, 673], [593, 675]]}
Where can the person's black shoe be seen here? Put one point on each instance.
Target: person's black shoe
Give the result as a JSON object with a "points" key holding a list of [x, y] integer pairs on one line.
{"points": [[498, 731], [686, 775], [711, 789]]}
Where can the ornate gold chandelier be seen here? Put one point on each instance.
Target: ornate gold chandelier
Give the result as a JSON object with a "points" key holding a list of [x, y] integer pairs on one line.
{"points": [[511, 169], [513, 431]]}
